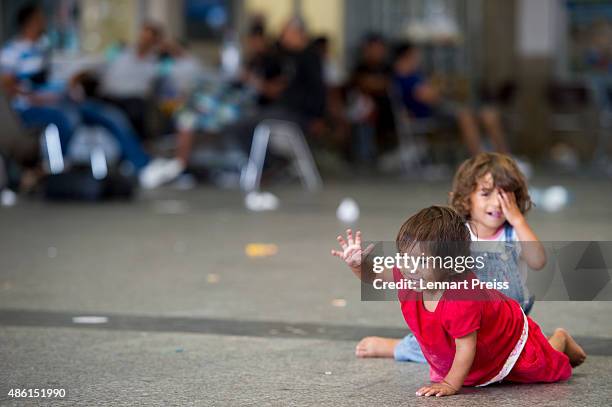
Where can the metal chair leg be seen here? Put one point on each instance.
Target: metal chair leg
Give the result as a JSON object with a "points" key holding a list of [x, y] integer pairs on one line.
{"points": [[250, 178], [50, 139], [305, 163]]}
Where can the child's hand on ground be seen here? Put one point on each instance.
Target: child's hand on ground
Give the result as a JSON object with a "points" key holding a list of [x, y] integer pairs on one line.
{"points": [[351, 253], [510, 208], [436, 389]]}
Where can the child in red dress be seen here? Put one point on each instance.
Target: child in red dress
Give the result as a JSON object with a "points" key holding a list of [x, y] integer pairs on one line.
{"points": [[470, 336]]}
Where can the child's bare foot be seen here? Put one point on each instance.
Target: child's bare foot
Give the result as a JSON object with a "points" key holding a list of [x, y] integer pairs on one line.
{"points": [[574, 352], [376, 347]]}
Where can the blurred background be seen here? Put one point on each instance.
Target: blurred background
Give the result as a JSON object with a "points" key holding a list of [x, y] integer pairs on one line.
{"points": [[396, 87]]}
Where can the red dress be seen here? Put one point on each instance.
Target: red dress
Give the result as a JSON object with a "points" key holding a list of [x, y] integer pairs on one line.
{"points": [[499, 321]]}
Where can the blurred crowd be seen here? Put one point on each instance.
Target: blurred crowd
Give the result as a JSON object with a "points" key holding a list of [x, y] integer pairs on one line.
{"points": [[156, 102]]}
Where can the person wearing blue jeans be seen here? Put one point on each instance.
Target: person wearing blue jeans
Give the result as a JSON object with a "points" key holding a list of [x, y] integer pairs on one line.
{"points": [[40, 116], [67, 117], [24, 71], [109, 117]]}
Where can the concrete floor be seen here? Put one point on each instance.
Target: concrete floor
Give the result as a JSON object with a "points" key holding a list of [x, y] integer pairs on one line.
{"points": [[193, 321]]}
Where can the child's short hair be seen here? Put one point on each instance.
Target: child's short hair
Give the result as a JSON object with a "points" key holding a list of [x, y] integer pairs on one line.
{"points": [[506, 175], [438, 230]]}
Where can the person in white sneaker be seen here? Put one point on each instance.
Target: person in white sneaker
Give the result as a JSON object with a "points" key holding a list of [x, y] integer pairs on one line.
{"points": [[38, 102], [160, 171]]}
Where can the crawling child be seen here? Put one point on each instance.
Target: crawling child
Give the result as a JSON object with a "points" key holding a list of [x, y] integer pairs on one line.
{"points": [[469, 337]]}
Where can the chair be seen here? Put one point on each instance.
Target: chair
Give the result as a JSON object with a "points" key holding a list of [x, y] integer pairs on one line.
{"points": [[19, 141], [286, 138], [92, 140], [571, 106], [573, 110]]}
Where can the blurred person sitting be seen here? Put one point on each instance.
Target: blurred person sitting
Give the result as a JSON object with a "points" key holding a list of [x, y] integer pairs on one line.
{"points": [[181, 68], [283, 82], [334, 78], [128, 79], [25, 67], [332, 73], [304, 94], [368, 101], [212, 104], [424, 100], [289, 84], [255, 48]]}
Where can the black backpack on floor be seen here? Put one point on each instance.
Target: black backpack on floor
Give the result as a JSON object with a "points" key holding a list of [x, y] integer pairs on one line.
{"points": [[79, 184]]}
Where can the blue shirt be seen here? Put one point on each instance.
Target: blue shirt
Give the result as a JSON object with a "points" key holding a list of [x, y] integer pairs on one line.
{"points": [[407, 86], [29, 63]]}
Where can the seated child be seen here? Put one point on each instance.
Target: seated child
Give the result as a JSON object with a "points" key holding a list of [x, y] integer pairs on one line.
{"points": [[491, 193], [469, 336]]}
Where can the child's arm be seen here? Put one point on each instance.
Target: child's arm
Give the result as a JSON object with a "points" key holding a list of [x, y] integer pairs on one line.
{"points": [[532, 250], [352, 254], [465, 350]]}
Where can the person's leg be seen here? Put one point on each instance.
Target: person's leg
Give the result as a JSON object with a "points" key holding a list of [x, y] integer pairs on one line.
{"points": [[405, 350], [65, 118], [469, 130], [409, 350], [385, 137], [562, 341], [184, 144], [492, 124], [376, 347], [151, 174], [135, 110], [116, 123], [364, 143]]}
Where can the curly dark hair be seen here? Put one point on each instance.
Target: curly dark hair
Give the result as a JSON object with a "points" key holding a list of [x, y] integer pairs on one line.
{"points": [[506, 175]]}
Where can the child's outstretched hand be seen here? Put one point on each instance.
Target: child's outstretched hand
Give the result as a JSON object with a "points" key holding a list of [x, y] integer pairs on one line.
{"points": [[510, 208], [352, 253], [436, 389]]}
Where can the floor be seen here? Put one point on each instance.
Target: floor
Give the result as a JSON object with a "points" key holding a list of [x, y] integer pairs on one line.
{"points": [[186, 317]]}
